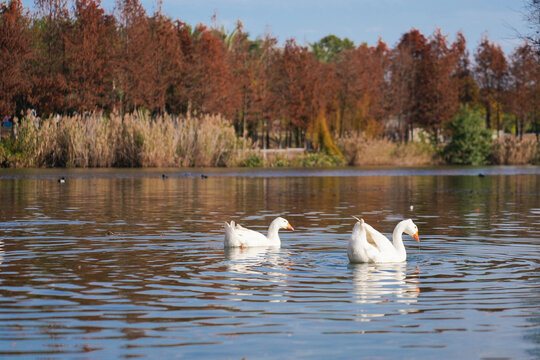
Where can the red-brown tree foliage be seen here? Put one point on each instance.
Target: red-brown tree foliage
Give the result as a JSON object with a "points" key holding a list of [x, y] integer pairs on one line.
{"points": [[88, 53], [49, 63], [178, 94], [467, 87], [134, 56], [491, 72], [264, 101], [361, 89], [166, 64], [15, 54], [423, 81], [405, 77], [524, 92], [437, 96], [57, 62], [301, 87], [244, 60], [210, 77]]}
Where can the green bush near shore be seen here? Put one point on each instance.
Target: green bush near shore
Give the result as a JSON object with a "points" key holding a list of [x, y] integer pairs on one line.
{"points": [[470, 142], [302, 160], [319, 160], [253, 160]]}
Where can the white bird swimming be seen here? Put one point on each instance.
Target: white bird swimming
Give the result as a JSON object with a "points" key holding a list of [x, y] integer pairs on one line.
{"points": [[238, 236], [367, 245]]}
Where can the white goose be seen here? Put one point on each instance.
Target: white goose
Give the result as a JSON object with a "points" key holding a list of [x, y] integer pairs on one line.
{"points": [[238, 236], [367, 245]]}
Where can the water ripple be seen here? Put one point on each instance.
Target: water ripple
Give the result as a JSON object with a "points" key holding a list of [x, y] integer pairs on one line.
{"points": [[135, 267]]}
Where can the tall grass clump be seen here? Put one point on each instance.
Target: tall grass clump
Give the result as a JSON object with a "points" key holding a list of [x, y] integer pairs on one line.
{"points": [[363, 151], [210, 141], [130, 140], [514, 151]]}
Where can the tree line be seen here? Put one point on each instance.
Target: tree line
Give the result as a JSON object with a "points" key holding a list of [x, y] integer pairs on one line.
{"points": [[73, 57]]}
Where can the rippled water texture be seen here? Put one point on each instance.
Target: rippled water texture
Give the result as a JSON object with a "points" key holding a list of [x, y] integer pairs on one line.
{"points": [[121, 264]]}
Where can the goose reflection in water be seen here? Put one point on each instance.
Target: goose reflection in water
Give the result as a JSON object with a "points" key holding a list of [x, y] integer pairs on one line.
{"points": [[257, 261], [384, 283], [251, 264]]}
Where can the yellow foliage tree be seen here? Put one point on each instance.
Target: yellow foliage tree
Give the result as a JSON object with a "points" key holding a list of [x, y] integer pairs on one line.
{"points": [[320, 131]]}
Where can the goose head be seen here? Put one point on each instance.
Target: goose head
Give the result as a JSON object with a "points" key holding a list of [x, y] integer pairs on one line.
{"points": [[282, 224], [411, 229]]}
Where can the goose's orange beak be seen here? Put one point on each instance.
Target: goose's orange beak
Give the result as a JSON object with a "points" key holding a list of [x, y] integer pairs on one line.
{"points": [[289, 227], [415, 236]]}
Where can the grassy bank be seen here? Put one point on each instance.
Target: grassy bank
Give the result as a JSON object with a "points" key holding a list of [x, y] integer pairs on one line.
{"points": [[141, 140], [132, 140]]}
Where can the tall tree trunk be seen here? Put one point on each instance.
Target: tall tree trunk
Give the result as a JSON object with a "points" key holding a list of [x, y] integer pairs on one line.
{"points": [[256, 135], [400, 128], [289, 136], [341, 121], [267, 134], [498, 119], [536, 125], [488, 115], [244, 129], [280, 135]]}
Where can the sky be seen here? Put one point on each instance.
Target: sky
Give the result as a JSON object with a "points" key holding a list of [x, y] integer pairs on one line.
{"points": [[308, 21]]}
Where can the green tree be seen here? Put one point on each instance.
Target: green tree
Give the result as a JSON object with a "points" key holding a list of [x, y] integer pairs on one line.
{"points": [[471, 141], [329, 47]]}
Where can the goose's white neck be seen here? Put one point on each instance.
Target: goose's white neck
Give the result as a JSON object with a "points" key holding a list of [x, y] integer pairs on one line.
{"points": [[397, 237], [273, 233]]}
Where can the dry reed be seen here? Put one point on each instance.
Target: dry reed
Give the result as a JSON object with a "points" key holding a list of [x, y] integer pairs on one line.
{"points": [[361, 151], [511, 150], [131, 140]]}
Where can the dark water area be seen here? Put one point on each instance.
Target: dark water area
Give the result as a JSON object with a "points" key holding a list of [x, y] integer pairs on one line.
{"points": [[127, 264]]}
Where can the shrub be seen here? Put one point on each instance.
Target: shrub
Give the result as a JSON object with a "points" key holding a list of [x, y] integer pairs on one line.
{"points": [[253, 160], [470, 142], [319, 160], [9, 156], [281, 163], [20, 151]]}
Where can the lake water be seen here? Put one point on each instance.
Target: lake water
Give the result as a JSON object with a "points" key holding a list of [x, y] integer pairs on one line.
{"points": [[125, 264]]}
